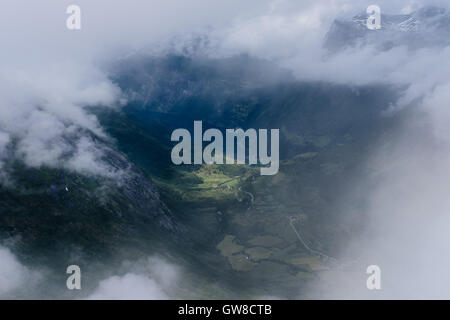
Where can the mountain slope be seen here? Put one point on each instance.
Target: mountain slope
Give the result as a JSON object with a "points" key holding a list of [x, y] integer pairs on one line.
{"points": [[55, 214]]}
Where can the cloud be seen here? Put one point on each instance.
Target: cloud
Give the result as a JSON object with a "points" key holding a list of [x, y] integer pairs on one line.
{"points": [[42, 110], [407, 217], [129, 287], [293, 34], [12, 273], [14, 276], [407, 203], [153, 280]]}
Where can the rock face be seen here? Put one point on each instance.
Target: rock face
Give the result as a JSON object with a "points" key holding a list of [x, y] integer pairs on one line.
{"points": [[427, 27], [53, 214]]}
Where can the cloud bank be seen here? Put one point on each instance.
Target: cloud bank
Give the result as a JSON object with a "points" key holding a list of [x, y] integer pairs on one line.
{"points": [[43, 94], [50, 74], [14, 276], [153, 280]]}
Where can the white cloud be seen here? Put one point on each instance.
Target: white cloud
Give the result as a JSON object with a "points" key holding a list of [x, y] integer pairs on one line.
{"points": [[407, 217], [13, 275], [129, 287], [293, 33], [43, 110], [154, 280]]}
